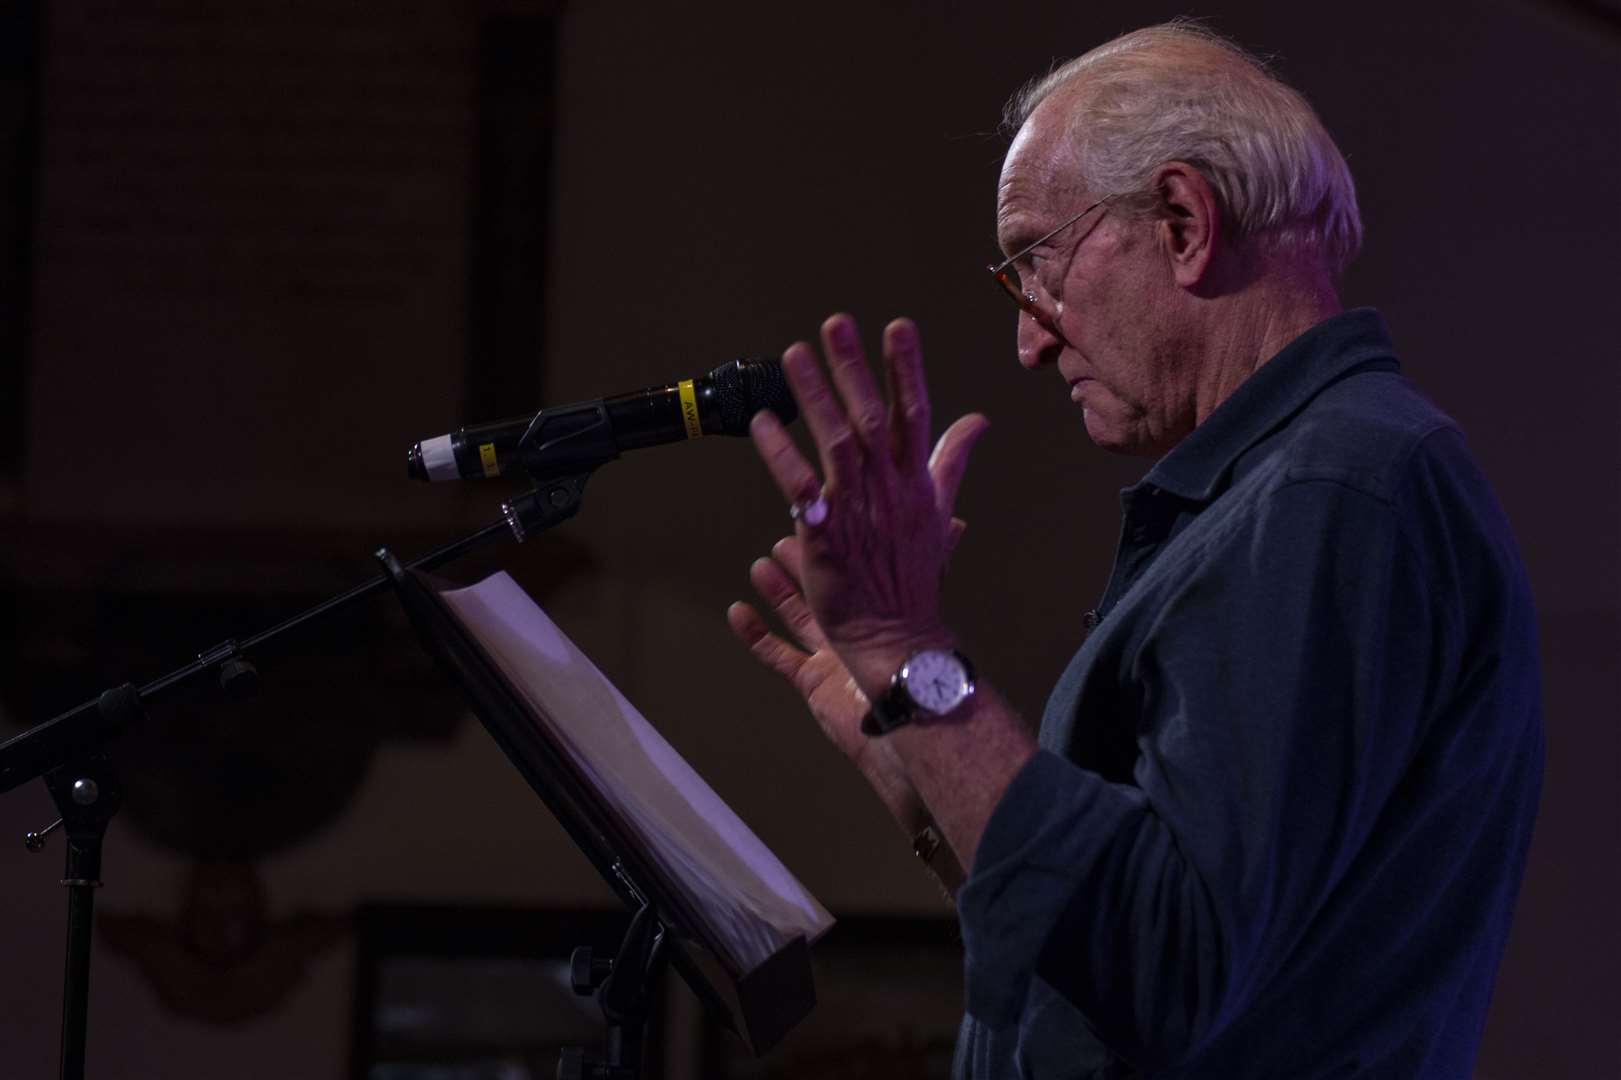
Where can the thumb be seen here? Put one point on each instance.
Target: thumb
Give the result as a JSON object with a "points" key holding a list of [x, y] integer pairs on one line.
{"points": [[949, 460]]}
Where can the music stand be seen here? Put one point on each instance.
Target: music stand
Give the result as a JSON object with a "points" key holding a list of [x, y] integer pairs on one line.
{"points": [[760, 1006]]}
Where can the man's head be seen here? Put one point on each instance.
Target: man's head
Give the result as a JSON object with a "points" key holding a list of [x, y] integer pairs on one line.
{"points": [[1229, 214]]}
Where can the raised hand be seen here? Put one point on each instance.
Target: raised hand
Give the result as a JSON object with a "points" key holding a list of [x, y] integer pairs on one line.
{"points": [[859, 585], [808, 662], [870, 569]]}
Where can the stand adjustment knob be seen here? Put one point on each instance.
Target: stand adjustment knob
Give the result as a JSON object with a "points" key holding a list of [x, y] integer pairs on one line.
{"points": [[586, 972], [239, 678], [35, 841]]}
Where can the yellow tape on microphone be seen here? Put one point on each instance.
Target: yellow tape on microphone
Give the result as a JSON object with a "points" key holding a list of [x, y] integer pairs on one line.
{"points": [[689, 409]]}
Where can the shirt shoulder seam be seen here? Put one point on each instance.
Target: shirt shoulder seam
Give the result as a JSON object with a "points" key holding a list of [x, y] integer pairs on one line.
{"points": [[1379, 484]]}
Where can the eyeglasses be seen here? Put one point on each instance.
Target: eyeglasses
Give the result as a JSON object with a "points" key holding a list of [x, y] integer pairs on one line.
{"points": [[1007, 276]]}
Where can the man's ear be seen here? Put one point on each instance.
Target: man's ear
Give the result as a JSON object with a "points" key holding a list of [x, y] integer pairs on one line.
{"points": [[1189, 221]]}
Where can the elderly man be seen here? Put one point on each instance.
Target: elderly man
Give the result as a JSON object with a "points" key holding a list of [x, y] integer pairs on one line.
{"points": [[1278, 809]]}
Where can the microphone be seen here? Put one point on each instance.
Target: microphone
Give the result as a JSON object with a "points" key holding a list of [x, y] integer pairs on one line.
{"points": [[579, 437]]}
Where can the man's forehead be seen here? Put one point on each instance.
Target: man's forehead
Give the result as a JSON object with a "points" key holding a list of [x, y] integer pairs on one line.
{"points": [[1034, 186], [1039, 169]]}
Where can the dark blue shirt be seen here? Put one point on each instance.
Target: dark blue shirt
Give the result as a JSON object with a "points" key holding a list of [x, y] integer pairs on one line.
{"points": [[1281, 809]]}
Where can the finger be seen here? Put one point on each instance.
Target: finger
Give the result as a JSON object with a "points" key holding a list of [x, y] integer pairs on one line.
{"points": [[773, 582], [789, 556], [908, 397], [788, 468], [767, 647], [841, 342], [950, 458], [830, 429]]}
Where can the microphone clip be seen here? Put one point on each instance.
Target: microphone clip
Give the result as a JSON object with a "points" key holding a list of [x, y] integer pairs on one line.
{"points": [[568, 441], [550, 503]]}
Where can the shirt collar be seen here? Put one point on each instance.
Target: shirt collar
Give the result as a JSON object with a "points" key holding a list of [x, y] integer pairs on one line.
{"points": [[1198, 465]]}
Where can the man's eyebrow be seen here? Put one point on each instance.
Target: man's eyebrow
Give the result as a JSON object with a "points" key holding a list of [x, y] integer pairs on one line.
{"points": [[1015, 234], [1022, 237]]}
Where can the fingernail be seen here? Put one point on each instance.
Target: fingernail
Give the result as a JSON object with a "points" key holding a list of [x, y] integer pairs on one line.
{"points": [[903, 335], [844, 335]]}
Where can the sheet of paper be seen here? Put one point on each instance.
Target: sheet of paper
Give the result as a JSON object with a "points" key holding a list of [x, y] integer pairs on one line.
{"points": [[706, 852]]}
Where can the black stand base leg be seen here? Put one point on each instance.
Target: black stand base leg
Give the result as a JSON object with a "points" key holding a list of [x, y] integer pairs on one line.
{"points": [[76, 981]]}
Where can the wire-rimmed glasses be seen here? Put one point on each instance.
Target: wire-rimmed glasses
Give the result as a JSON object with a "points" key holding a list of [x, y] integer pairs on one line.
{"points": [[1007, 276]]}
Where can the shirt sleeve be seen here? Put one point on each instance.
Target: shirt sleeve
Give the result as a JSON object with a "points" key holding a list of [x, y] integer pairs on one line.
{"points": [[1283, 681]]}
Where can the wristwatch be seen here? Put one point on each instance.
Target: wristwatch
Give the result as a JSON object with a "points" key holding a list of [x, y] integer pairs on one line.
{"points": [[932, 682]]}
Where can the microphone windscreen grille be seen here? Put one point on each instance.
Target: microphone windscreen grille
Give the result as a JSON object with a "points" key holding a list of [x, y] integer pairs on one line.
{"points": [[744, 387]]}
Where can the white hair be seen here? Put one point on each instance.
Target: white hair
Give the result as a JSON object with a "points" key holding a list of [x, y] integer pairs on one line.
{"points": [[1174, 93]]}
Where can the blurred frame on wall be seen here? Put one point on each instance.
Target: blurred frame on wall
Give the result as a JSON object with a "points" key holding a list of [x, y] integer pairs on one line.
{"points": [[470, 993]]}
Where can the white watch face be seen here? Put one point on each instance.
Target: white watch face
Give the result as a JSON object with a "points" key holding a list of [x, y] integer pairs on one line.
{"points": [[936, 680]]}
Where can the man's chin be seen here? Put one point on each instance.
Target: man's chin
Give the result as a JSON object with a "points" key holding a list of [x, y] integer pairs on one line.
{"points": [[1108, 433], [1104, 435]]}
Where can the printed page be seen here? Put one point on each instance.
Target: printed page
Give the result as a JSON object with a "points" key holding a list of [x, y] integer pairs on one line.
{"points": [[704, 850]]}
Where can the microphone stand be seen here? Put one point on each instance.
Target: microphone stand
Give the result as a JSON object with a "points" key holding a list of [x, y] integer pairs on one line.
{"points": [[67, 749]]}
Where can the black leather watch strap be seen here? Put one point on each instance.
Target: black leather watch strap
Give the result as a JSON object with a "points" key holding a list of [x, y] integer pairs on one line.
{"points": [[895, 707], [890, 710]]}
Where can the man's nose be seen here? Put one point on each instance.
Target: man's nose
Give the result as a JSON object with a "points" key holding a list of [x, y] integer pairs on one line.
{"points": [[1038, 343]]}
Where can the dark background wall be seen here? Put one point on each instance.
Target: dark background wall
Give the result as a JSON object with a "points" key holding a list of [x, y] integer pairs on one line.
{"points": [[255, 250]]}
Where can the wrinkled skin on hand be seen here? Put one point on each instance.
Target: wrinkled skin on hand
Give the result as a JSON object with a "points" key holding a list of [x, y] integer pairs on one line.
{"points": [[811, 666], [861, 590]]}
